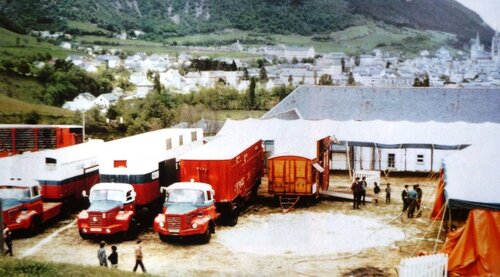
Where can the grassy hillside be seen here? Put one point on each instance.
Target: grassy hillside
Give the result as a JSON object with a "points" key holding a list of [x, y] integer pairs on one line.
{"points": [[22, 267], [18, 111]]}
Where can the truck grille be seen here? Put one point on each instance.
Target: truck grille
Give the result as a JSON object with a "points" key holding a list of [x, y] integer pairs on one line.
{"points": [[178, 222], [97, 219]]}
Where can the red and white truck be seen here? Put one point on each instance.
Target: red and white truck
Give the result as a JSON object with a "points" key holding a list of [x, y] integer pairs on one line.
{"points": [[22, 206], [189, 210], [232, 167], [142, 162]]}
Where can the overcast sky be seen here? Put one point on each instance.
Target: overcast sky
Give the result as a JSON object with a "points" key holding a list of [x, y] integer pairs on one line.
{"points": [[489, 10]]}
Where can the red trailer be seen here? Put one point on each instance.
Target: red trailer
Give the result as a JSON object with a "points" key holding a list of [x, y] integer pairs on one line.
{"points": [[232, 166], [19, 138], [303, 175]]}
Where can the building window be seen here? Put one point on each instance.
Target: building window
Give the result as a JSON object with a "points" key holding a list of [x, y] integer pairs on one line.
{"points": [[391, 160], [119, 163], [169, 144], [420, 159], [181, 140], [194, 136]]}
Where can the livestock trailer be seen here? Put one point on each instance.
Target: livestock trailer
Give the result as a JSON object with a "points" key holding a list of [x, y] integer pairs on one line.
{"points": [[19, 138], [232, 166], [300, 174]]}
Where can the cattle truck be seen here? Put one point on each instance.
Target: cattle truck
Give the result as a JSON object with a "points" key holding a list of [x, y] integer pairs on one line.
{"points": [[132, 170], [38, 186], [231, 166], [300, 172]]}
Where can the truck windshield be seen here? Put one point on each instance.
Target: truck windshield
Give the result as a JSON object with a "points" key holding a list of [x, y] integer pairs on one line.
{"points": [[105, 194], [18, 193], [185, 195]]}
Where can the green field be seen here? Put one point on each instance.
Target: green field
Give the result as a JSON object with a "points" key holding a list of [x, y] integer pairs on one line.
{"points": [[14, 111], [17, 44], [86, 27]]}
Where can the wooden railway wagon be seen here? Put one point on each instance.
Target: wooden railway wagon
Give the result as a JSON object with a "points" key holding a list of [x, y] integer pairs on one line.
{"points": [[232, 166], [143, 163], [303, 174], [19, 138], [62, 173]]}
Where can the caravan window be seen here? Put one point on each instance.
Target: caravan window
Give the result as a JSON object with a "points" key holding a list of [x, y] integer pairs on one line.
{"points": [[420, 159], [181, 140], [193, 136], [391, 160]]}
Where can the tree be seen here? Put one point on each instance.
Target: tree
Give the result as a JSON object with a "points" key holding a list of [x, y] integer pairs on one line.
{"points": [[357, 60], [157, 84], [295, 60], [263, 74], [290, 80], [251, 94], [233, 66], [32, 117], [426, 82], [246, 76], [388, 64], [350, 80], [342, 62], [416, 82], [325, 80]]}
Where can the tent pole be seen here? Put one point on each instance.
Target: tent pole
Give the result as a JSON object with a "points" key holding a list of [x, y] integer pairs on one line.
{"points": [[348, 158], [440, 227], [432, 156]]}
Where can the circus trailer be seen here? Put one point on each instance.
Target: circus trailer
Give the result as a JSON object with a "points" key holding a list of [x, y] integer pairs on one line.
{"points": [[132, 169], [23, 208], [61, 173], [19, 138], [292, 175], [233, 167]]}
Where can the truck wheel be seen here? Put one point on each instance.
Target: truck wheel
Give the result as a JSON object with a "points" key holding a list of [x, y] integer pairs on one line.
{"points": [[35, 226], [233, 218], [205, 238], [83, 235], [164, 238], [131, 232]]}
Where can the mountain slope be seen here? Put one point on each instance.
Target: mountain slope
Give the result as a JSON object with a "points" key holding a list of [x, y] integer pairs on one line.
{"points": [[164, 18]]}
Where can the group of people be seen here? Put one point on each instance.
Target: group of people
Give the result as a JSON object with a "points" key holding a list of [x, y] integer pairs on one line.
{"points": [[113, 257], [412, 200], [359, 187]]}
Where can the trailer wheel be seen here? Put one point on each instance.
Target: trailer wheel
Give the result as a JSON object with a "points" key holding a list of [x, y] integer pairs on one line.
{"points": [[83, 235], [233, 217], [205, 238], [131, 232], [35, 226]]}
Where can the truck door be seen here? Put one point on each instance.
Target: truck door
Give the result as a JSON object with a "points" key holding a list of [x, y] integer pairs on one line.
{"points": [[168, 172]]}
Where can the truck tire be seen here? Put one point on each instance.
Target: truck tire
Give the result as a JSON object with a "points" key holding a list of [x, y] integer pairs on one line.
{"points": [[35, 226], [83, 235], [132, 230], [233, 217], [164, 238], [205, 238]]}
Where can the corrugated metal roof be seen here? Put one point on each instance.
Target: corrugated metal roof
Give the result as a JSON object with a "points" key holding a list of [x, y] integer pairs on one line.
{"points": [[392, 104]]}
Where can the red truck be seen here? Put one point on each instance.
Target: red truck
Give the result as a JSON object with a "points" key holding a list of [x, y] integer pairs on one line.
{"points": [[189, 210], [22, 206], [136, 167], [231, 166]]}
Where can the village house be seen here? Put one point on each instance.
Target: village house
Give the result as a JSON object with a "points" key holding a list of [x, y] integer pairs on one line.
{"points": [[105, 100], [82, 102]]}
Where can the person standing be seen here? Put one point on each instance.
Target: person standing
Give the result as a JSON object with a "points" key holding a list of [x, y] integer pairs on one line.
{"points": [[364, 185], [7, 238], [412, 199], [419, 199], [138, 256], [404, 197], [356, 193], [101, 254], [376, 191], [388, 194], [113, 257]]}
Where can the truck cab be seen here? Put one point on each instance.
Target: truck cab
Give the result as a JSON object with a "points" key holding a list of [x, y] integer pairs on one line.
{"points": [[22, 205], [189, 210], [111, 211]]}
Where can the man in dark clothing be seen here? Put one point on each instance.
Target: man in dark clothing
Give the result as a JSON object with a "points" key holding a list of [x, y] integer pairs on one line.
{"points": [[356, 193], [404, 197], [7, 238], [412, 199], [419, 199], [364, 185], [113, 257]]}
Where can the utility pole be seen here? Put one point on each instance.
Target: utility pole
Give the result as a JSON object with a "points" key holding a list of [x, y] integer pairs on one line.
{"points": [[83, 133]]}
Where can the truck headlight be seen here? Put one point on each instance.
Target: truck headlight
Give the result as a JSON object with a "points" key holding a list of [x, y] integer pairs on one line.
{"points": [[162, 224], [18, 220], [195, 225], [83, 215]]}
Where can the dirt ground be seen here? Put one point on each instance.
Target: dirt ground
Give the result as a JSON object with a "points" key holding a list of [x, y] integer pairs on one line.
{"points": [[308, 241]]}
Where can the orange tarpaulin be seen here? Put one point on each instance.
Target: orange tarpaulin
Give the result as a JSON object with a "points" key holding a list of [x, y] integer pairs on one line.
{"points": [[437, 210], [474, 249]]}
